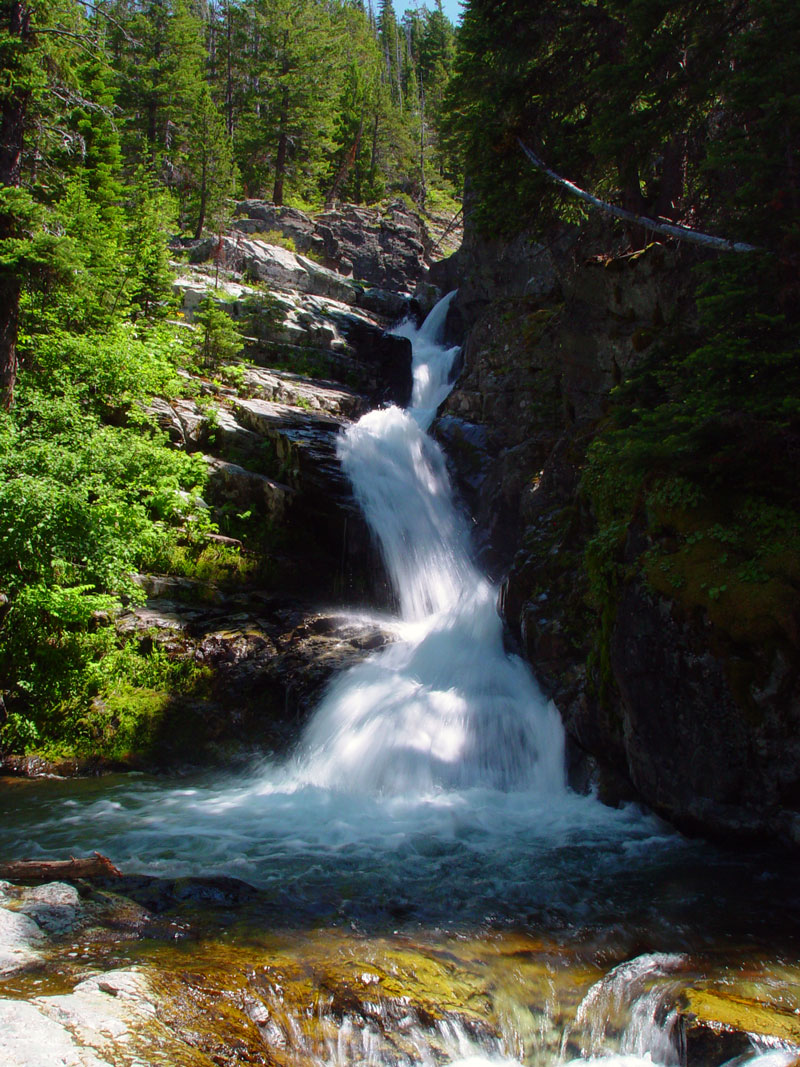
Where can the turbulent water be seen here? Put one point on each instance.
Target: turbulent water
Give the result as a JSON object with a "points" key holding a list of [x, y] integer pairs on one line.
{"points": [[429, 790]]}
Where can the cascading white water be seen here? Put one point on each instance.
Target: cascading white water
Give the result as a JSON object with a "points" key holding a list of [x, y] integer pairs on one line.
{"points": [[446, 706]]}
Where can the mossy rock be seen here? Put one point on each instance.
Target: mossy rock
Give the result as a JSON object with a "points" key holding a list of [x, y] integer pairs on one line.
{"points": [[701, 575], [736, 1011]]}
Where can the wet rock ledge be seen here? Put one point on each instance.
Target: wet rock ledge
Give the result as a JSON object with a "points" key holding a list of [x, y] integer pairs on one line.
{"points": [[141, 971]]}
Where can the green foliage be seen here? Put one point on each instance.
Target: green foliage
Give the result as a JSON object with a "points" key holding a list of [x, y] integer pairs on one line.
{"points": [[84, 505], [85, 502], [219, 337], [274, 237], [116, 369], [147, 274], [673, 109]]}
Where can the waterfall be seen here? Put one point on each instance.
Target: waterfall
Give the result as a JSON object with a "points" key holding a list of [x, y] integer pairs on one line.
{"points": [[445, 706]]}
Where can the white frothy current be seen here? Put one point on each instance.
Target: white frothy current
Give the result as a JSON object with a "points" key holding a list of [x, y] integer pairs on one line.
{"points": [[446, 706]]}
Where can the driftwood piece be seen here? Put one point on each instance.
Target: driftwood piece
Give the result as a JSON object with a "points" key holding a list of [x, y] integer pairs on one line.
{"points": [[95, 866], [682, 233]]}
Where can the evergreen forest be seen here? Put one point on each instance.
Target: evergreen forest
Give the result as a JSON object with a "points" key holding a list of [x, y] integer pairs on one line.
{"points": [[123, 125]]}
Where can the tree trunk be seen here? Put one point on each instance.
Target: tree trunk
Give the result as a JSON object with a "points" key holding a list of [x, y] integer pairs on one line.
{"points": [[347, 165], [373, 160], [16, 22], [96, 866], [228, 71], [423, 192], [201, 221], [280, 167], [283, 147], [670, 189]]}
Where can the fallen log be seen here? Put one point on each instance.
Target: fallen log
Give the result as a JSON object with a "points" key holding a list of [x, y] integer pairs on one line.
{"points": [[96, 866], [682, 233]]}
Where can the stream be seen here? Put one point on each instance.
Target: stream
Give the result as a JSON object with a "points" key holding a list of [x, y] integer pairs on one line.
{"points": [[430, 891]]}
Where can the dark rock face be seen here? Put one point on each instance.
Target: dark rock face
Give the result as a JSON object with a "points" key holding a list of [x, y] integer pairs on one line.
{"points": [[385, 357], [697, 714], [707, 761]]}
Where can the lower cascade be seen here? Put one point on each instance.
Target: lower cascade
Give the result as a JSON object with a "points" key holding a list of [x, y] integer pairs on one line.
{"points": [[423, 887]]}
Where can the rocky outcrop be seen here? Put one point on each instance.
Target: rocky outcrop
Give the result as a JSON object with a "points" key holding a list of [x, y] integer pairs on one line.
{"points": [[261, 656], [321, 336], [690, 702], [267, 659], [388, 249]]}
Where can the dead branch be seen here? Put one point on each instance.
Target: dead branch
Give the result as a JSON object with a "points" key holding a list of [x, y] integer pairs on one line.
{"points": [[95, 866], [450, 226], [117, 25], [682, 233]]}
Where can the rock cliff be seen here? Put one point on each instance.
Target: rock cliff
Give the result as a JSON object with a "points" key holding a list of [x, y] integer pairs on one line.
{"points": [[675, 685]]}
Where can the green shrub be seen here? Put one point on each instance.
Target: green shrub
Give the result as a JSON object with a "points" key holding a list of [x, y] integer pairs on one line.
{"points": [[219, 338]]}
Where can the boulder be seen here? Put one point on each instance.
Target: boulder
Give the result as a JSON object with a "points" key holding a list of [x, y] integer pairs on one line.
{"points": [[19, 940], [262, 217], [275, 266], [269, 658], [106, 1019], [234, 484], [294, 390]]}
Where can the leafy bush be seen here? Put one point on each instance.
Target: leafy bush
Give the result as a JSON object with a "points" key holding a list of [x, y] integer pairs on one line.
{"points": [[83, 505]]}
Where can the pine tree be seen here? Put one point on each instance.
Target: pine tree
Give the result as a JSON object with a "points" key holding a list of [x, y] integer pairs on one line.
{"points": [[147, 278], [285, 135], [38, 46], [209, 164], [17, 43], [389, 37]]}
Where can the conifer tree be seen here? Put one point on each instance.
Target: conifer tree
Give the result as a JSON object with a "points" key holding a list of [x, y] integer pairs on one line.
{"points": [[285, 136], [21, 80], [38, 45], [208, 163]]}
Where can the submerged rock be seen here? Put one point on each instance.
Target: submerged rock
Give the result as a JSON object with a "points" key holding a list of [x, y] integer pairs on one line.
{"points": [[268, 659]]}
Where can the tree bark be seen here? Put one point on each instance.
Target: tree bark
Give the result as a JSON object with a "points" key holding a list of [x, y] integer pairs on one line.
{"points": [[280, 166], [228, 71], [201, 221], [15, 20], [283, 136], [423, 192]]}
